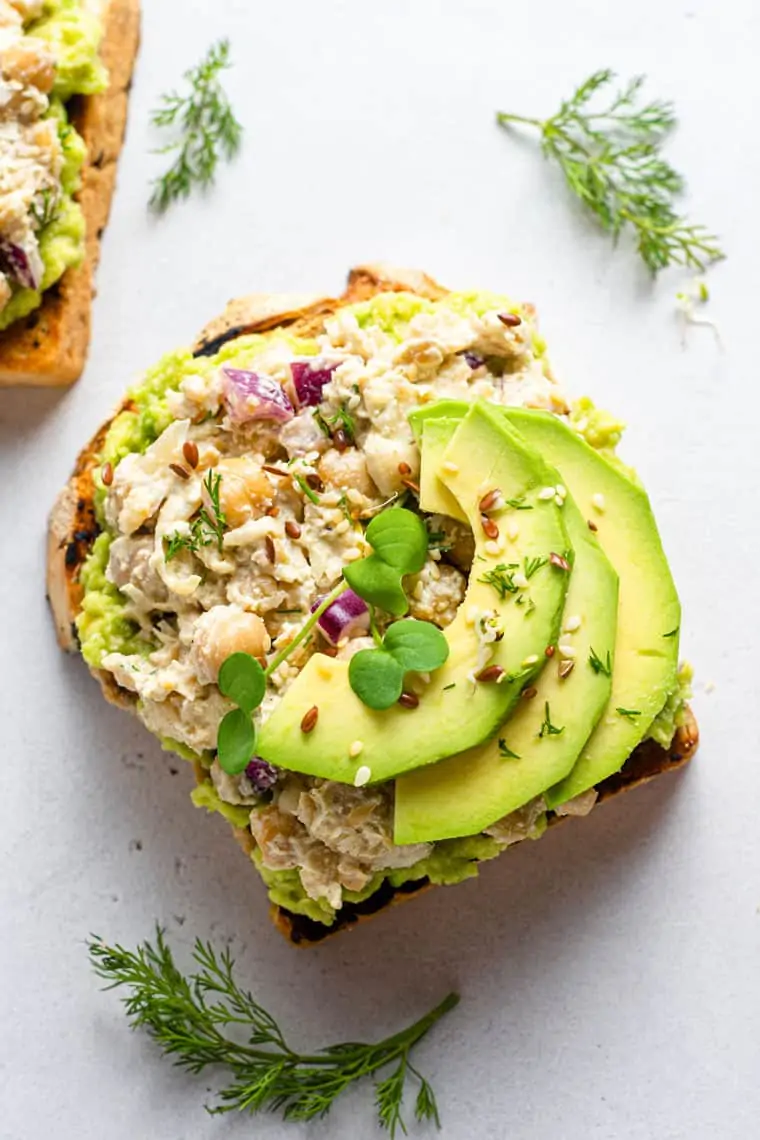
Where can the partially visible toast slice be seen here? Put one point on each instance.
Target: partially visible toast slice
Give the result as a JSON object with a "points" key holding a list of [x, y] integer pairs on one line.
{"points": [[49, 347], [73, 528]]}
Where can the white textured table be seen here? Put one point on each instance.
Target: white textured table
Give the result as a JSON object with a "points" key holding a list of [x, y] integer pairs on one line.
{"points": [[610, 975]]}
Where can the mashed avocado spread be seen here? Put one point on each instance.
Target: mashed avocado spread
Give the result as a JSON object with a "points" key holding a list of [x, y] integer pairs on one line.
{"points": [[73, 35], [104, 628]]}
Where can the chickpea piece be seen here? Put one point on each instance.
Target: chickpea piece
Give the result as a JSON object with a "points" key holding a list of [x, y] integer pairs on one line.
{"points": [[29, 63], [245, 492], [221, 631], [346, 470], [391, 461]]}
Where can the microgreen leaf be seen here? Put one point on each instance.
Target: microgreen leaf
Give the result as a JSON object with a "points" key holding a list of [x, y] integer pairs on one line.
{"points": [[376, 677], [243, 680], [416, 645], [378, 583], [236, 741], [400, 539]]}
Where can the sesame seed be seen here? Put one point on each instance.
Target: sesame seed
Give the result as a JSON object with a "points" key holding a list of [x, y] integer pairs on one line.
{"points": [[520, 581], [572, 624], [546, 493], [492, 547], [513, 531], [597, 501], [566, 650], [356, 748], [363, 776], [559, 500], [532, 660], [450, 468], [558, 561], [561, 491], [472, 615]]}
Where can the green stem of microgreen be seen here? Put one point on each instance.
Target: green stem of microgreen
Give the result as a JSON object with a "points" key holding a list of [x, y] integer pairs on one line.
{"points": [[305, 629], [503, 118], [376, 635]]}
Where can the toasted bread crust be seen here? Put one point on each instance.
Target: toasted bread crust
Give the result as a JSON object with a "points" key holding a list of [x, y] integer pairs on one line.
{"points": [[49, 347], [73, 529]]}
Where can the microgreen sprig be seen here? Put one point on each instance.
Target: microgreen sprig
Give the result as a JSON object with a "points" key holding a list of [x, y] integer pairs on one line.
{"points": [[399, 540], [505, 752], [547, 728], [377, 675], [611, 159], [190, 1017], [243, 680]]}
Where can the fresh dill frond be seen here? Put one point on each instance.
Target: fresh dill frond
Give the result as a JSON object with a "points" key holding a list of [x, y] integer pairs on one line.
{"points": [[599, 665], [502, 578], [547, 728], [208, 130], [506, 752], [611, 159], [629, 714], [190, 1017], [534, 564], [209, 525]]}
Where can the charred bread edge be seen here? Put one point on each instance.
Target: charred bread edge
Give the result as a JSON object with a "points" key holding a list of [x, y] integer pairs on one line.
{"points": [[48, 348], [73, 529]]}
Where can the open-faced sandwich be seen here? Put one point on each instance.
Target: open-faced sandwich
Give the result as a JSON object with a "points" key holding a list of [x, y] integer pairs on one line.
{"points": [[395, 597], [65, 67]]}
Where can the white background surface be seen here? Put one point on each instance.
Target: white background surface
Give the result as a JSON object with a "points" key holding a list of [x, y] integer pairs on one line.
{"points": [[610, 975]]}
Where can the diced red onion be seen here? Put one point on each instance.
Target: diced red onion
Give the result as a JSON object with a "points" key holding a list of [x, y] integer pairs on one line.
{"points": [[250, 396], [19, 265], [474, 360], [309, 378], [261, 774], [345, 617]]}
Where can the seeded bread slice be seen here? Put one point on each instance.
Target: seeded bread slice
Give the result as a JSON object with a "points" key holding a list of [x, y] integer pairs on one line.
{"points": [[49, 347], [73, 529]]}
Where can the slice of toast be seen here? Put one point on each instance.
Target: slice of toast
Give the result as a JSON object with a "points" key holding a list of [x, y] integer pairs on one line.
{"points": [[48, 348], [73, 528]]}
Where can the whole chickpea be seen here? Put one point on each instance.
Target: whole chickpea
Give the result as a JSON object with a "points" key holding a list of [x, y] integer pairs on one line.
{"points": [[346, 470], [245, 492], [221, 631], [29, 63]]}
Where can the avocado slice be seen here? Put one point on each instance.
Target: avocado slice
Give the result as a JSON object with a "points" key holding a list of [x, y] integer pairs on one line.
{"points": [[649, 613], [466, 793], [435, 496], [455, 712]]}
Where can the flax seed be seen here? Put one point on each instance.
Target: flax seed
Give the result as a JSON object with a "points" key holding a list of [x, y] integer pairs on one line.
{"points": [[309, 720], [489, 501], [511, 320], [270, 549], [179, 471], [340, 439], [490, 529], [404, 469], [566, 668], [558, 561], [190, 452], [489, 674], [292, 529], [529, 693], [106, 474], [409, 700], [273, 470]]}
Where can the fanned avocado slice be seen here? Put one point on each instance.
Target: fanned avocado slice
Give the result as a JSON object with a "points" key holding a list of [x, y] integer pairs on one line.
{"points": [[649, 613], [455, 711], [542, 739]]}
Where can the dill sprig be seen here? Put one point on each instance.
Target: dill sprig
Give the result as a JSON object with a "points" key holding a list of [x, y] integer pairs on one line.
{"points": [[208, 130], [190, 1018], [207, 527], [611, 160]]}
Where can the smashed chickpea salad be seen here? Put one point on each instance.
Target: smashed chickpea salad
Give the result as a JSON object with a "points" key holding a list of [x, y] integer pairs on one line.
{"points": [[48, 54], [233, 493]]}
